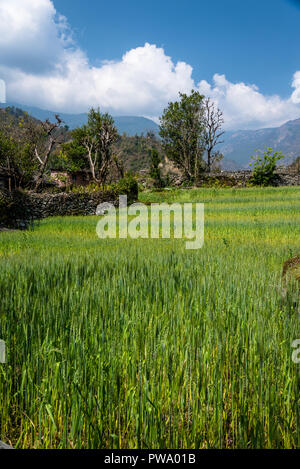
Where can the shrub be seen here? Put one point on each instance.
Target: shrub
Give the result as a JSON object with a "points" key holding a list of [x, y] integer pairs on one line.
{"points": [[14, 211], [155, 172], [264, 167], [128, 186]]}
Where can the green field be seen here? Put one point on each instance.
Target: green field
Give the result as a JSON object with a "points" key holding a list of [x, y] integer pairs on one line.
{"points": [[144, 344]]}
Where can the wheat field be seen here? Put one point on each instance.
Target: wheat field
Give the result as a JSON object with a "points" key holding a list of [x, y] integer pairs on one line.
{"points": [[124, 343]]}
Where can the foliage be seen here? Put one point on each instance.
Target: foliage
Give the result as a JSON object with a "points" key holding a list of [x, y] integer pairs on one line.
{"points": [[181, 129], [155, 172], [96, 138], [23, 133], [264, 166], [41, 139], [4, 202], [128, 185], [70, 158], [125, 186], [132, 154], [134, 151], [16, 160], [26, 145], [14, 212]]}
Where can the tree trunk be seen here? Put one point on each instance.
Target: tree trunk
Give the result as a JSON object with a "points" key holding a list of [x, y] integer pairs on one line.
{"points": [[43, 164], [92, 165], [209, 160]]}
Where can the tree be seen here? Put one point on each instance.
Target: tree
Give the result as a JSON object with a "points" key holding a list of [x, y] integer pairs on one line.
{"points": [[213, 121], [97, 138], [181, 129], [41, 139], [16, 159], [7, 157], [119, 164], [27, 144], [72, 157], [264, 167], [155, 172]]}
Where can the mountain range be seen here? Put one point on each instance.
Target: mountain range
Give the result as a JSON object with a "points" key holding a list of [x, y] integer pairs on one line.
{"points": [[131, 125], [238, 146]]}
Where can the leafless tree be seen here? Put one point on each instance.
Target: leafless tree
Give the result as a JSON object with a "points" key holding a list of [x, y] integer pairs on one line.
{"points": [[26, 146], [42, 138], [213, 122]]}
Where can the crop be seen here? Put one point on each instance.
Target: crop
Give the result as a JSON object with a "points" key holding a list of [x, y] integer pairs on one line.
{"points": [[143, 344]]}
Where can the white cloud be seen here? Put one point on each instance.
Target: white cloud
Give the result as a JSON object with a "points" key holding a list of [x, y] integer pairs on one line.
{"points": [[245, 107], [295, 98], [43, 66], [33, 37]]}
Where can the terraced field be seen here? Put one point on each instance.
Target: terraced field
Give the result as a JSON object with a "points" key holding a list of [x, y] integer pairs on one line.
{"points": [[143, 344]]}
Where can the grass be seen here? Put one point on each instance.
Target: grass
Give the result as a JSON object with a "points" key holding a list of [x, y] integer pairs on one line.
{"points": [[143, 344]]}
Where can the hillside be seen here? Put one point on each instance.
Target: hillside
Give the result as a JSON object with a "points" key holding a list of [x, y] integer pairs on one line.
{"points": [[239, 146], [131, 125], [132, 151]]}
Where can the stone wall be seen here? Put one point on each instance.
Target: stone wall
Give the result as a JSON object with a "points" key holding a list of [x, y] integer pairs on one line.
{"points": [[288, 178], [22, 208], [226, 178], [62, 204], [285, 177], [242, 178]]}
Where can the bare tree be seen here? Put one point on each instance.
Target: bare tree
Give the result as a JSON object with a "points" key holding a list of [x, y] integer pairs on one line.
{"points": [[25, 146], [42, 139], [213, 122]]}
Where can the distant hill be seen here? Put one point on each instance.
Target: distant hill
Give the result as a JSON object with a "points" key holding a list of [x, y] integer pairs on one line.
{"points": [[132, 151], [239, 146], [132, 125]]}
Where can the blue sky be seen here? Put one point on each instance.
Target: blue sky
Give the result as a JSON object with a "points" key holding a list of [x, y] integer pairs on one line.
{"points": [[255, 41], [133, 57]]}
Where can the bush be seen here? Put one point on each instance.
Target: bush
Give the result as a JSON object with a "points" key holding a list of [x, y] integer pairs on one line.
{"points": [[128, 186], [155, 172], [264, 167], [14, 211], [5, 205]]}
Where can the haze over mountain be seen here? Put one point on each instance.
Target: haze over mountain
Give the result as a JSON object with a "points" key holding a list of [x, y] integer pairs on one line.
{"points": [[132, 125]]}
